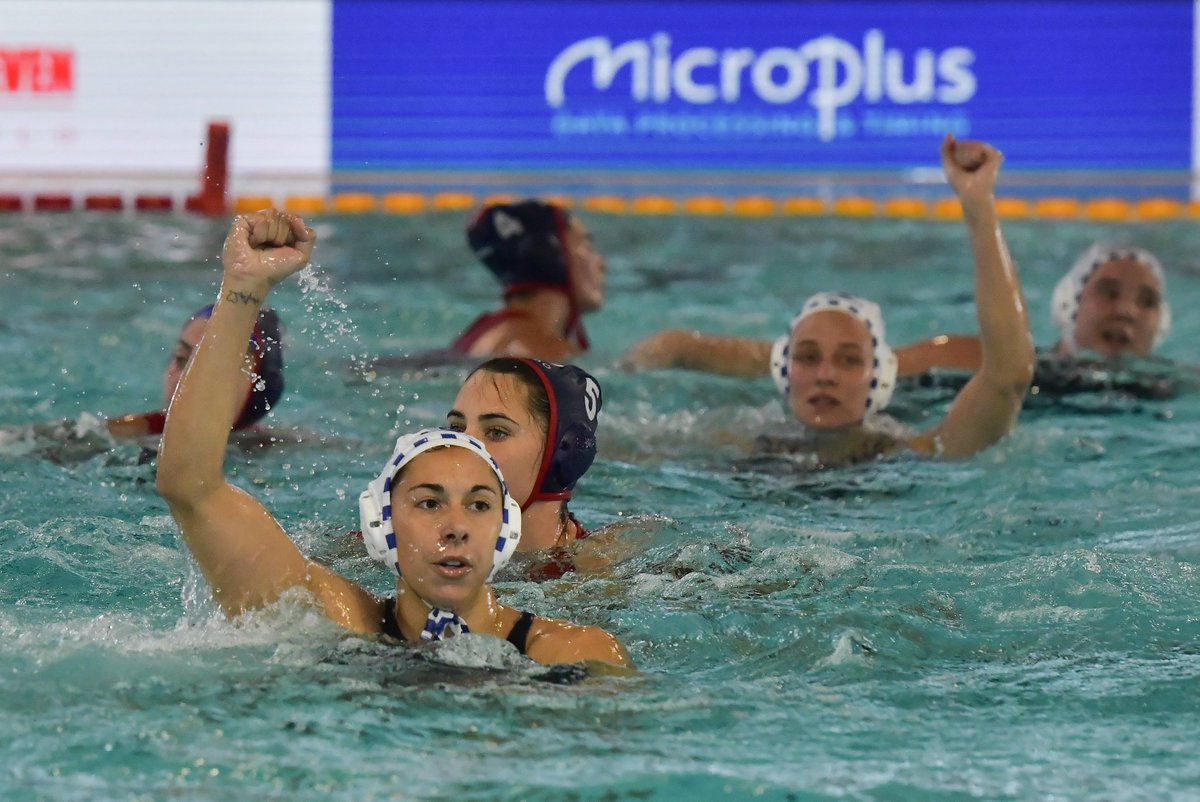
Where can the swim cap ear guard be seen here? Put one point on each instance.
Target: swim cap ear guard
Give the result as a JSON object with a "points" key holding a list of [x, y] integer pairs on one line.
{"points": [[375, 503], [1064, 303], [884, 366], [575, 400], [266, 350]]}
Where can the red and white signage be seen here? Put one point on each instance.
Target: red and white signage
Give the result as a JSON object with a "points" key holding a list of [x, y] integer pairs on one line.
{"points": [[128, 87], [36, 71]]}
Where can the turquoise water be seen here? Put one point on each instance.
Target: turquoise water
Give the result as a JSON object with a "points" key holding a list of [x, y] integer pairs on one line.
{"points": [[1024, 625]]}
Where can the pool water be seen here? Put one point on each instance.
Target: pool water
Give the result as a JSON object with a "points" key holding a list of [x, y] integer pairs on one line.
{"points": [[1022, 625]]}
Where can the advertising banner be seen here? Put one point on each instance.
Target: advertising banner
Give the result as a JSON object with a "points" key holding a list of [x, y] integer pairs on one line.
{"points": [[129, 85], [759, 85]]}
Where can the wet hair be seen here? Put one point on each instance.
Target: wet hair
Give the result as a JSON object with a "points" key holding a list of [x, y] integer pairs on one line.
{"points": [[538, 402], [566, 402]]}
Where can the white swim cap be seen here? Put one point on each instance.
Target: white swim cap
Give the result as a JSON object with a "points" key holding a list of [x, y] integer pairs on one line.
{"points": [[375, 513], [1064, 304], [884, 366]]}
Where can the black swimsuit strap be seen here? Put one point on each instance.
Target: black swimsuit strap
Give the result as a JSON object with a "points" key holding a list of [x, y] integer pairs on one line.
{"points": [[388, 625], [520, 631]]}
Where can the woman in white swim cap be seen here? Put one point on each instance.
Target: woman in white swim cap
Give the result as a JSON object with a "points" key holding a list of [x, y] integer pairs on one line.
{"points": [[439, 514], [836, 367], [1111, 302]]}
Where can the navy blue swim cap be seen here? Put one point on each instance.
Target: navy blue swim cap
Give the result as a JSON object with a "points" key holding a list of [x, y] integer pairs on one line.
{"points": [[523, 244], [266, 347], [570, 399], [575, 401]]}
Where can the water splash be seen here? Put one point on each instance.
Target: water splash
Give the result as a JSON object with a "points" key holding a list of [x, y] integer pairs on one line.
{"points": [[331, 316]]}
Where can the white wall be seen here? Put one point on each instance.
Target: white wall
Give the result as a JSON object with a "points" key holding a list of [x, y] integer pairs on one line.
{"points": [[146, 76]]}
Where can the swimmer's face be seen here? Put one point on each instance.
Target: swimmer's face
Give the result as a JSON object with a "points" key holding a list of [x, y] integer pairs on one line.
{"points": [[494, 409], [189, 337], [1119, 309], [446, 512], [829, 373], [587, 267]]}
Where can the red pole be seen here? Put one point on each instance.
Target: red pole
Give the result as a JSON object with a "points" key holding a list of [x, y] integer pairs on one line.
{"points": [[210, 200]]}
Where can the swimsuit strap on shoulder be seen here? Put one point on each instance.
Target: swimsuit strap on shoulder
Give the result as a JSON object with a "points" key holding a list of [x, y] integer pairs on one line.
{"points": [[520, 631], [388, 625]]}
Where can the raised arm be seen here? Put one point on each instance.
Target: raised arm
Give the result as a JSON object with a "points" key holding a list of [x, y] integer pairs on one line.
{"points": [[244, 553], [690, 350], [986, 408]]}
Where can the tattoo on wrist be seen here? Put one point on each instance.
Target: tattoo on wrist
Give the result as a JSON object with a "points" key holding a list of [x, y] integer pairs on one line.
{"points": [[233, 296]]}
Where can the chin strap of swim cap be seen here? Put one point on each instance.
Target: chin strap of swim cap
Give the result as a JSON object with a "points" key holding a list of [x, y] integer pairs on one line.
{"points": [[439, 621], [1064, 303], [375, 514], [884, 366]]}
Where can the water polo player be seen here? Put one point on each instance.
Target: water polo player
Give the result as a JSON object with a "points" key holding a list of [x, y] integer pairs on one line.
{"points": [[837, 370], [539, 422], [264, 380], [551, 275], [1111, 313], [439, 513]]}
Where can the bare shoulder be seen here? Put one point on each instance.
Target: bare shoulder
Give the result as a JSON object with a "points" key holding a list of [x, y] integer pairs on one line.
{"points": [[553, 641], [521, 336], [528, 337]]}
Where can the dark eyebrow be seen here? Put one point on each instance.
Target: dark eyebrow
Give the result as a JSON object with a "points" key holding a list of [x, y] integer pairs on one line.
{"points": [[441, 490], [487, 417], [494, 416], [839, 347], [185, 346]]}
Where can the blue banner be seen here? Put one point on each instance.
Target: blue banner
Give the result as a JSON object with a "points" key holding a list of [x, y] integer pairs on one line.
{"points": [[758, 85]]}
